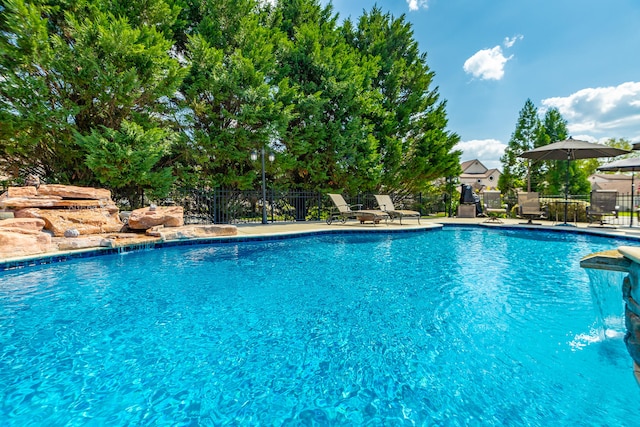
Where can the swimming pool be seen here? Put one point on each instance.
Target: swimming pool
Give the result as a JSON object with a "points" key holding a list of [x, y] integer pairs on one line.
{"points": [[460, 326]]}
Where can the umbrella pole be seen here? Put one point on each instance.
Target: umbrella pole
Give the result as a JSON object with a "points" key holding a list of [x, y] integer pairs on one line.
{"points": [[633, 190], [566, 192]]}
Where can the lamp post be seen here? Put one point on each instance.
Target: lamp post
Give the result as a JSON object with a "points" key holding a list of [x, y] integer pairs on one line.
{"points": [[254, 157]]}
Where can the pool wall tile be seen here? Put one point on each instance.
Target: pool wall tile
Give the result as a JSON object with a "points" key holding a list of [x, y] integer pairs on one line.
{"points": [[61, 257], [66, 256]]}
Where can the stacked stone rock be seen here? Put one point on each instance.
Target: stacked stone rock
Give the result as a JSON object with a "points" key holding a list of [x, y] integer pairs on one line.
{"points": [[167, 223], [58, 209], [23, 236], [45, 218], [65, 207], [152, 216]]}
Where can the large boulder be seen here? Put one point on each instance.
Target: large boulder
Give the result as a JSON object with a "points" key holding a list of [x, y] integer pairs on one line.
{"points": [[145, 218], [194, 231], [19, 242], [16, 203], [85, 242], [34, 224], [86, 221], [73, 192], [22, 192], [55, 196]]}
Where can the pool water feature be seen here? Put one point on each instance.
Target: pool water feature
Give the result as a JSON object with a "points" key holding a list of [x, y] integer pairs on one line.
{"points": [[460, 326], [606, 290]]}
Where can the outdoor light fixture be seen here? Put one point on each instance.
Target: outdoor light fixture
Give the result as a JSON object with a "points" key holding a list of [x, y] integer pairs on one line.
{"points": [[254, 157]]}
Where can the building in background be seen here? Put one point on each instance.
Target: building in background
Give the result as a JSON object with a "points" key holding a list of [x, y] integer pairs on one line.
{"points": [[613, 181], [478, 176]]}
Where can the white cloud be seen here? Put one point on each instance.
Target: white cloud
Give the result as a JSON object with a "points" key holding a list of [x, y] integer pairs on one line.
{"points": [[602, 112], [417, 4], [510, 41], [488, 151], [488, 64]]}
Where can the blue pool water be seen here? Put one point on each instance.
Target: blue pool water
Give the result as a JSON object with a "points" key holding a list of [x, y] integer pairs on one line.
{"points": [[461, 326]]}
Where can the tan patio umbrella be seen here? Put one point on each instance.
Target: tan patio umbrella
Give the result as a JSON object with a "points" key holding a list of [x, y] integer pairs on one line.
{"points": [[571, 149], [625, 165]]}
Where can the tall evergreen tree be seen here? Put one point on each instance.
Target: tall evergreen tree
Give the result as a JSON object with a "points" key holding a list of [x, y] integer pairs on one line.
{"points": [[517, 172], [229, 104], [328, 143], [556, 177], [70, 69], [555, 173], [126, 161], [84, 83], [409, 121]]}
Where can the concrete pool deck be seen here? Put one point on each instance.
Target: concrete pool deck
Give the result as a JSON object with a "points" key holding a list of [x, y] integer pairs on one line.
{"points": [[275, 229], [259, 231]]}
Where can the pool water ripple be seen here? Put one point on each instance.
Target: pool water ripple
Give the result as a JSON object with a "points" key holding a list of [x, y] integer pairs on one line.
{"points": [[454, 327]]}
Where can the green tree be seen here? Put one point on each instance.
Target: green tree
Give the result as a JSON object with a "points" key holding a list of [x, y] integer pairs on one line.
{"points": [[590, 166], [229, 106], [74, 67], [201, 84], [518, 172], [409, 120], [555, 173], [126, 160], [328, 143]]}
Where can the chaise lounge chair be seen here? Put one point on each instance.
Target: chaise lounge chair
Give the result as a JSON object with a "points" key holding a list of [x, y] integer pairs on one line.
{"points": [[529, 207], [493, 206], [386, 205], [603, 204], [344, 211]]}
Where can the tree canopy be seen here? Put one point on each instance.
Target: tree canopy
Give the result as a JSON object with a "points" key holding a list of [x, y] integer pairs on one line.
{"points": [[138, 96], [517, 172], [546, 177]]}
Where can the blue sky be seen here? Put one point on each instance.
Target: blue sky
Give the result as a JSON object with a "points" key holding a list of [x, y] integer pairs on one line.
{"points": [[489, 56]]}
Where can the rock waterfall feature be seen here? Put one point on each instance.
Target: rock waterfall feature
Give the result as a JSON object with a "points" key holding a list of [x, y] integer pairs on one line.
{"points": [[46, 218]]}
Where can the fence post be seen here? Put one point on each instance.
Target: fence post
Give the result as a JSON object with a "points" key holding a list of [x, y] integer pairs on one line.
{"points": [[215, 207], [271, 196]]}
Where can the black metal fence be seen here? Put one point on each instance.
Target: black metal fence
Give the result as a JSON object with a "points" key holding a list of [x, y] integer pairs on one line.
{"points": [[220, 206], [576, 209], [626, 212]]}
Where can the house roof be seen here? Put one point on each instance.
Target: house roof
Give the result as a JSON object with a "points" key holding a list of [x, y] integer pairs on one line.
{"points": [[486, 174], [475, 163], [609, 177], [617, 182], [465, 165], [621, 187]]}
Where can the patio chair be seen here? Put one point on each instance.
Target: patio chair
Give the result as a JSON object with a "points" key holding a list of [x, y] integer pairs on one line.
{"points": [[343, 211], [493, 206], [603, 204], [529, 207], [386, 205]]}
